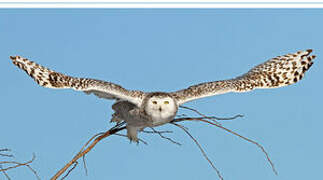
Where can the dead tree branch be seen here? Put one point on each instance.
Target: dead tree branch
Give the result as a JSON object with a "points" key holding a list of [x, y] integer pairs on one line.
{"points": [[228, 130], [122, 135], [234, 133], [16, 164], [160, 133], [152, 132], [200, 147], [213, 118], [84, 165], [5, 150], [69, 171], [88, 147], [196, 111], [5, 173], [90, 144]]}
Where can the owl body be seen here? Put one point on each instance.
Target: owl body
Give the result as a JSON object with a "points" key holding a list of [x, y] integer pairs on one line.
{"points": [[145, 109], [158, 109]]}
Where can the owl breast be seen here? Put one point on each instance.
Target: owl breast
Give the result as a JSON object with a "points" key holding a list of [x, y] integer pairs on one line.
{"points": [[160, 118]]}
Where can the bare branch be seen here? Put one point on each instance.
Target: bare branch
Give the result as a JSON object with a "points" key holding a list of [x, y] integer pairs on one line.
{"points": [[6, 149], [213, 118], [200, 147], [69, 171], [18, 164], [196, 111], [226, 118], [93, 137], [88, 147], [160, 133], [90, 144], [84, 164], [122, 135], [118, 125], [6, 155], [153, 132], [181, 115], [5, 173], [234, 133]]}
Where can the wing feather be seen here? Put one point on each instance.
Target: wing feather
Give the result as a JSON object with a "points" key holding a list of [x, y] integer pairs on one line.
{"points": [[51, 79], [276, 72]]}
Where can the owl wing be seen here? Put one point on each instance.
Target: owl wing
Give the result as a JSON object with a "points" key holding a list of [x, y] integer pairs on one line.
{"points": [[51, 79], [276, 72]]}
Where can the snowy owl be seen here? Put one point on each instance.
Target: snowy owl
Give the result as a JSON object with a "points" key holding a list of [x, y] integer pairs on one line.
{"points": [[149, 109]]}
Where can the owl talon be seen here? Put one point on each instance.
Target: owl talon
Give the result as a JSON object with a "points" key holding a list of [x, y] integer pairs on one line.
{"points": [[131, 139]]}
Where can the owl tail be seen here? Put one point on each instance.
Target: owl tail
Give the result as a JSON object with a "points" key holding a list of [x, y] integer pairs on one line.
{"points": [[132, 133]]}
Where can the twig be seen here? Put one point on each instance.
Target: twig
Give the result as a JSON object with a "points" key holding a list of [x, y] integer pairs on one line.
{"points": [[97, 138], [5, 173], [18, 164], [84, 164], [226, 119], [152, 132], [213, 118], [181, 115], [83, 157], [118, 125], [230, 131], [193, 118], [196, 111], [93, 137], [6, 150], [122, 135], [200, 147], [69, 171], [7, 155], [34, 171], [160, 133], [234, 133]]}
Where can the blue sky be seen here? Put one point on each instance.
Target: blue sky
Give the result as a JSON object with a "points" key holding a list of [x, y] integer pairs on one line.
{"points": [[161, 50]]}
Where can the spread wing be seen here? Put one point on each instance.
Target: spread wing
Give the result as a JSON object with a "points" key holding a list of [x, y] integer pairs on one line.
{"points": [[276, 72], [51, 79]]}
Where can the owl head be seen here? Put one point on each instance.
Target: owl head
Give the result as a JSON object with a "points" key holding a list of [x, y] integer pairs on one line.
{"points": [[161, 107]]}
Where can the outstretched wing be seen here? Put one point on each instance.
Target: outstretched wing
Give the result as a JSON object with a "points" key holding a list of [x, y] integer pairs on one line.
{"points": [[276, 72], [51, 79]]}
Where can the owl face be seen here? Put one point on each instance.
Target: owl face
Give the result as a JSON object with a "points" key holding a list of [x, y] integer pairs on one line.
{"points": [[162, 109]]}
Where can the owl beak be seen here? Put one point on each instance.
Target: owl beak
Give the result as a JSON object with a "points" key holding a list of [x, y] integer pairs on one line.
{"points": [[160, 109]]}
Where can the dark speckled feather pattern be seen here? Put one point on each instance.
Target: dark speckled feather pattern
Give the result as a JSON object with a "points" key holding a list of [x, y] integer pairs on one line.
{"points": [[51, 79], [276, 72]]}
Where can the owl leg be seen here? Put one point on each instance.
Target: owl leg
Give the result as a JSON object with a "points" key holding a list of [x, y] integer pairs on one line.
{"points": [[132, 132]]}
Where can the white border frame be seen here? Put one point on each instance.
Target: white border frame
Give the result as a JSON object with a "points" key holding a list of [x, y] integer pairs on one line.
{"points": [[161, 4]]}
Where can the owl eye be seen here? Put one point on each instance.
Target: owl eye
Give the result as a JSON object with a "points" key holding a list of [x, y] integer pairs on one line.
{"points": [[166, 102], [154, 102]]}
